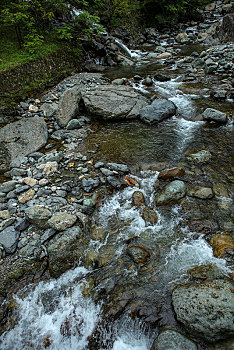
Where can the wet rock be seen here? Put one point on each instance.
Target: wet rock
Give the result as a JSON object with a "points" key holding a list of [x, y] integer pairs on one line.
{"points": [[9, 239], [221, 243], [38, 215], [7, 186], [206, 309], [205, 272], [161, 77], [159, 109], [98, 233], [114, 102], [170, 173], [18, 172], [149, 216], [200, 157], [139, 254], [222, 345], [120, 81], [62, 221], [202, 192], [220, 190], [204, 226], [147, 81], [173, 340], [114, 182], [64, 250], [138, 199], [171, 193], [212, 115], [24, 137], [5, 223], [68, 106], [26, 196], [218, 94]]}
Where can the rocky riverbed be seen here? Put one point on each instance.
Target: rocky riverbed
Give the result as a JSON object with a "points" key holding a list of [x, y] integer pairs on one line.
{"points": [[128, 174]]}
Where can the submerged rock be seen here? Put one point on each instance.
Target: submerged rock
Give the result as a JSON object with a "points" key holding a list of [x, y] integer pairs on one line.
{"points": [[138, 253], [114, 102], [138, 199], [171, 193], [24, 137], [159, 109], [173, 340], [206, 309], [202, 192], [149, 216], [170, 173], [200, 157]]}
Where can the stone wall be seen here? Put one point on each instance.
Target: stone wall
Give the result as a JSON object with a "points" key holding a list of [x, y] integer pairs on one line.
{"points": [[30, 78]]}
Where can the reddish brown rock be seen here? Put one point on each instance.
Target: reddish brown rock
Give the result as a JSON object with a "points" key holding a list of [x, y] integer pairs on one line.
{"points": [[220, 243], [171, 173]]}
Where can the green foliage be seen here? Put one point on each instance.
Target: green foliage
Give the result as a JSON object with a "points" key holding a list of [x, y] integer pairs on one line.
{"points": [[64, 33], [33, 43]]}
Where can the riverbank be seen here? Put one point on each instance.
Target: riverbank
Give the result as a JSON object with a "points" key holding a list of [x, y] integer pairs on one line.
{"points": [[140, 206]]}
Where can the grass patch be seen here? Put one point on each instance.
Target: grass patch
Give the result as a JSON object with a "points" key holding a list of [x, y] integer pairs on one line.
{"points": [[11, 55]]}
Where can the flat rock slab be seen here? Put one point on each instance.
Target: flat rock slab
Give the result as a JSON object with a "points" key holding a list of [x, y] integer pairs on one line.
{"points": [[9, 238], [111, 102], [68, 106], [24, 137], [206, 309]]}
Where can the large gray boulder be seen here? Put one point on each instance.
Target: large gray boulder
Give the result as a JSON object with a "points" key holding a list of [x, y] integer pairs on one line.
{"points": [[225, 31], [112, 102], [24, 137], [171, 193], [64, 250], [9, 239], [212, 115], [172, 340], [159, 109], [68, 106], [206, 309]]}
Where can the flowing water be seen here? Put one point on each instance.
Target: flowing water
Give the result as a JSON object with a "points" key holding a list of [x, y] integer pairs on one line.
{"points": [[58, 314]]}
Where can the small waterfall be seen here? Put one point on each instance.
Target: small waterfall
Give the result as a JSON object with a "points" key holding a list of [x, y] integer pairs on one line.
{"points": [[123, 47]]}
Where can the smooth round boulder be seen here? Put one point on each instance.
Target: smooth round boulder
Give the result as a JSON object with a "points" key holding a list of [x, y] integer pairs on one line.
{"points": [[159, 110], [149, 216], [171, 193]]}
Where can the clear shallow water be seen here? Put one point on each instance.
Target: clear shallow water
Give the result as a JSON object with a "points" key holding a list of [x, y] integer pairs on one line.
{"points": [[56, 314]]}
